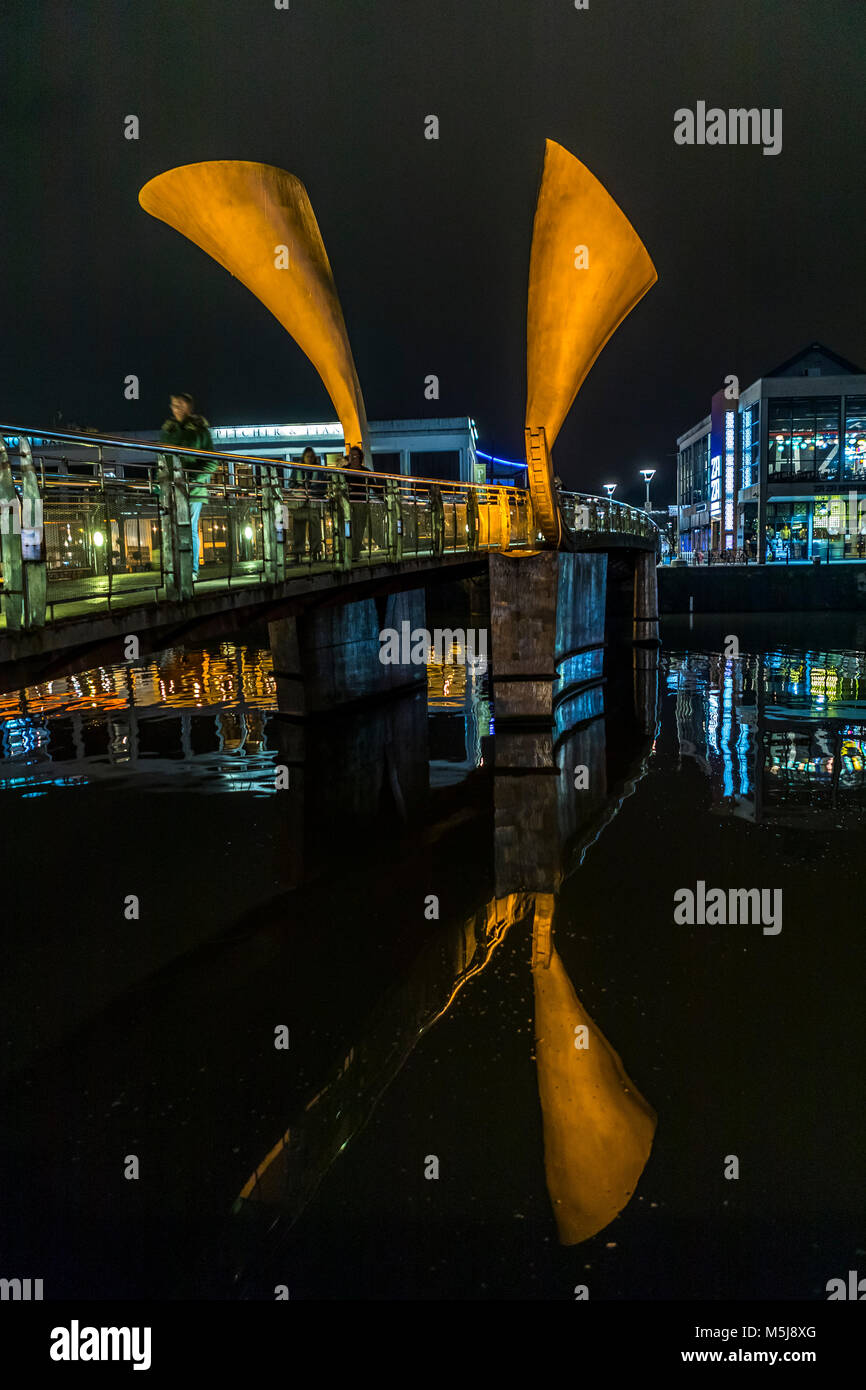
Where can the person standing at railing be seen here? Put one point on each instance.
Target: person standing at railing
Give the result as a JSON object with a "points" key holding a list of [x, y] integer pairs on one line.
{"points": [[306, 518], [355, 465], [187, 429]]}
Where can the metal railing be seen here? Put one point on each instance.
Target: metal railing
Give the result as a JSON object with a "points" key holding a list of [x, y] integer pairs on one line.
{"points": [[583, 511], [83, 536], [136, 519], [696, 559]]}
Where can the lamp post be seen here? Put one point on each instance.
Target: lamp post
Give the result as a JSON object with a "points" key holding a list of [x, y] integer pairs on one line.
{"points": [[647, 474], [610, 489]]}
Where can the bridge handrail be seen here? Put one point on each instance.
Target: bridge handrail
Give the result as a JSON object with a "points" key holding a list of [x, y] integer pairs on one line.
{"points": [[74, 542], [638, 520], [158, 446]]}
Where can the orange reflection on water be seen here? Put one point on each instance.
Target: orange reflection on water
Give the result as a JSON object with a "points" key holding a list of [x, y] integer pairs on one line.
{"points": [[176, 679]]}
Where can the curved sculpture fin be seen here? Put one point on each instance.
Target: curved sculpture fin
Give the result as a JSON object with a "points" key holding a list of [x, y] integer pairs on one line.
{"points": [[573, 308], [240, 213], [598, 1128]]}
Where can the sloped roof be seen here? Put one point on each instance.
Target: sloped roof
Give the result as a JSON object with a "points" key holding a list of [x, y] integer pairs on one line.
{"points": [[818, 353]]}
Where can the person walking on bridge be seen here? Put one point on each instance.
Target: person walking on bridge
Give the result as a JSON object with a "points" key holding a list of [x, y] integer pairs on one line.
{"points": [[356, 465], [186, 428]]}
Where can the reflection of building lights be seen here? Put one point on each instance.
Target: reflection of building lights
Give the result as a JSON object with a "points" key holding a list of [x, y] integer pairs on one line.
{"points": [[98, 538]]}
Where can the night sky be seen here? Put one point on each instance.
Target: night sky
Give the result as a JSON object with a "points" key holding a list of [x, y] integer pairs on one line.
{"points": [[429, 241]]}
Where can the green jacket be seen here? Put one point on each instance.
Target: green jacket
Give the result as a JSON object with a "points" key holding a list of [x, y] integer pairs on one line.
{"points": [[194, 433]]}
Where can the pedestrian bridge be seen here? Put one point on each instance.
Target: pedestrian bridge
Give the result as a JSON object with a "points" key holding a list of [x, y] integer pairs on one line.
{"points": [[106, 547]]}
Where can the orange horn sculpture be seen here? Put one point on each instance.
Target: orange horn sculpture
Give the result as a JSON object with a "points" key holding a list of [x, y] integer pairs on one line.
{"points": [[257, 221], [588, 269]]}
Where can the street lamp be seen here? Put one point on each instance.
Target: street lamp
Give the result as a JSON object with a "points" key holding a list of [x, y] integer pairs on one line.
{"points": [[610, 489], [647, 474]]}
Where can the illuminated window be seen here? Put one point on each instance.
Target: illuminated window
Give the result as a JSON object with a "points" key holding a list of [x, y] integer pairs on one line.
{"points": [[855, 437], [803, 440], [730, 456]]}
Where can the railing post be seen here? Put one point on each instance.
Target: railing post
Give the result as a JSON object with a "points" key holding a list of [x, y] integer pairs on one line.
{"points": [[10, 546], [393, 521], [504, 519], [32, 540], [22, 548], [273, 552], [341, 512], [175, 528], [230, 511], [473, 520], [437, 507], [107, 546]]}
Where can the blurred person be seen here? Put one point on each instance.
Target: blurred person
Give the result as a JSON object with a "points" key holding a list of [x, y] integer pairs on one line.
{"points": [[185, 428]]}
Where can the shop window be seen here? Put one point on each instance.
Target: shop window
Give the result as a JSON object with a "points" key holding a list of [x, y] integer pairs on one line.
{"points": [[779, 439], [803, 438], [855, 437], [827, 438]]}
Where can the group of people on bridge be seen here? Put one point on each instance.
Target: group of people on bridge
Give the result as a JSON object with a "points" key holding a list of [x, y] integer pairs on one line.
{"points": [[186, 429]]}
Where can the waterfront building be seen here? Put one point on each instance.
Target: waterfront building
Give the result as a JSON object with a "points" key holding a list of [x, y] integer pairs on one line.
{"points": [[779, 472]]}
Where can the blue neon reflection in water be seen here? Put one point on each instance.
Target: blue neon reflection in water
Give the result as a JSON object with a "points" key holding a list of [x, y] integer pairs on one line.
{"points": [[781, 728]]}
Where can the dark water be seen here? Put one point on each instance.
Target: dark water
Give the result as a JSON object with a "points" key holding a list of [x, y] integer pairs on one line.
{"points": [[419, 1042]]}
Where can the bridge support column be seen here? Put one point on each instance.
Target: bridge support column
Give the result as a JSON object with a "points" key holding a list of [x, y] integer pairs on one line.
{"points": [[523, 593], [326, 658], [547, 619], [646, 599]]}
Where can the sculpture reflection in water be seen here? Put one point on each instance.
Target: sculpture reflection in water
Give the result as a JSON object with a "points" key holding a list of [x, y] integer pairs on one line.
{"points": [[598, 1129]]}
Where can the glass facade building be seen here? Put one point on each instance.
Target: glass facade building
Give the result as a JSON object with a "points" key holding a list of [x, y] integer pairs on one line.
{"points": [[779, 472]]}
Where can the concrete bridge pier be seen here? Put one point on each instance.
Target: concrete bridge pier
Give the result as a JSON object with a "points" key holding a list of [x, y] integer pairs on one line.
{"points": [[547, 617], [329, 657], [646, 599]]}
